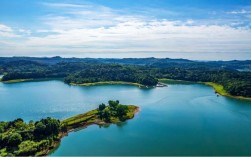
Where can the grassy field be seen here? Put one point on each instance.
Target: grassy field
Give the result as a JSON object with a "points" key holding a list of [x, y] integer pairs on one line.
{"points": [[16, 81], [220, 89], [171, 81], [109, 83]]}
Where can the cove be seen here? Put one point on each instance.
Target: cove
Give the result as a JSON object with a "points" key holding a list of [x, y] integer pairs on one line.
{"points": [[181, 119]]}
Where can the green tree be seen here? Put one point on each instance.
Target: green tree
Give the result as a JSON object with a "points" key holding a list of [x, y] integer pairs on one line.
{"points": [[27, 148], [52, 126], [39, 129], [122, 111], [101, 107], [64, 128], [14, 139], [113, 104], [107, 115]]}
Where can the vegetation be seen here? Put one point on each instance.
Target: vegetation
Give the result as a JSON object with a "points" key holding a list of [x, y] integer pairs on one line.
{"points": [[23, 139], [234, 82], [81, 73], [18, 138], [111, 113], [112, 72], [145, 72], [220, 89], [16, 81]]}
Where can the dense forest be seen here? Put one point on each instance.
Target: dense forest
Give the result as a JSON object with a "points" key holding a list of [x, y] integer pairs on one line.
{"points": [[18, 138], [234, 82], [235, 76], [113, 72]]}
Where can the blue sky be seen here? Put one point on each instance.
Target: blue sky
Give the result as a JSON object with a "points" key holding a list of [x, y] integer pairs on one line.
{"points": [[193, 29]]}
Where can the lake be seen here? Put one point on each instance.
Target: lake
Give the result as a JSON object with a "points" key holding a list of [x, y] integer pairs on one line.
{"points": [[181, 119]]}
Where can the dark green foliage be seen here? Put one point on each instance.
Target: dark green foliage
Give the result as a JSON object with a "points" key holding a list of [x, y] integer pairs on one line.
{"points": [[63, 128], [234, 82], [3, 125], [106, 114], [27, 148], [52, 126], [113, 104], [14, 139], [26, 139], [101, 107], [235, 76], [114, 109], [18, 138], [39, 129], [121, 110], [112, 72]]}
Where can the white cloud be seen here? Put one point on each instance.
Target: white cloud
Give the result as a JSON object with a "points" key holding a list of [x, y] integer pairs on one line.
{"points": [[5, 28], [84, 15], [145, 36], [63, 5], [6, 32], [88, 28], [242, 11], [24, 31]]}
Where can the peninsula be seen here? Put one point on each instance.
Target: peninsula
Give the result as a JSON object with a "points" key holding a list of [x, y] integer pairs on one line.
{"points": [[18, 138]]}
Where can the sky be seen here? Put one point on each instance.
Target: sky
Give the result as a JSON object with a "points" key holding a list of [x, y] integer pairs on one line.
{"points": [[191, 29]]}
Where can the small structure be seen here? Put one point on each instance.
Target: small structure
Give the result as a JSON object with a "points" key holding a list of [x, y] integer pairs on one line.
{"points": [[159, 84]]}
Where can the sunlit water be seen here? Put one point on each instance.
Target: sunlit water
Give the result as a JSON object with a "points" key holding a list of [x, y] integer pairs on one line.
{"points": [[181, 119]]}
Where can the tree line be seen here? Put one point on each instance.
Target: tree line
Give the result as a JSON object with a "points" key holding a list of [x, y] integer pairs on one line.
{"points": [[235, 82]]}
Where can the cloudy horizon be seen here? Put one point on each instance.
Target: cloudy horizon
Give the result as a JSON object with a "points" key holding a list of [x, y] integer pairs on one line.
{"points": [[199, 30]]}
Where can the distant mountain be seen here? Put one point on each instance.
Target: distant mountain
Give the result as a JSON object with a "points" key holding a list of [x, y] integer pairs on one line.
{"points": [[153, 62]]}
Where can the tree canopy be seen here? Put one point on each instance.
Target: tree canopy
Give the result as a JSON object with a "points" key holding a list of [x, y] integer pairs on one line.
{"points": [[144, 71]]}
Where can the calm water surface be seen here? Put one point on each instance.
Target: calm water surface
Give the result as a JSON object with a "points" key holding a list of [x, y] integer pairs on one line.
{"points": [[181, 119]]}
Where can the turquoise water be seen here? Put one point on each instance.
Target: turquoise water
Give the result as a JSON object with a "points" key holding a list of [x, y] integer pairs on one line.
{"points": [[185, 119]]}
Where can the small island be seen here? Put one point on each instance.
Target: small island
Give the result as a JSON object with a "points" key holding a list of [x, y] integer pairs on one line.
{"points": [[18, 138]]}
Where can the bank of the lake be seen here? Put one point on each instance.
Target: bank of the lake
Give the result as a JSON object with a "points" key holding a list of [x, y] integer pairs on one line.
{"points": [[29, 80], [75, 84], [108, 83], [17, 81], [220, 89], [217, 87]]}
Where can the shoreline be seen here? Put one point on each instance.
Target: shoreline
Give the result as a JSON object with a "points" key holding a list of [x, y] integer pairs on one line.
{"points": [[81, 127], [220, 90], [29, 80], [108, 83], [217, 88], [17, 80], [76, 84]]}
